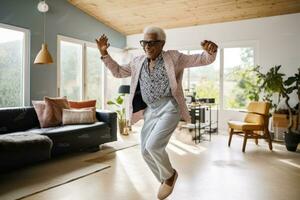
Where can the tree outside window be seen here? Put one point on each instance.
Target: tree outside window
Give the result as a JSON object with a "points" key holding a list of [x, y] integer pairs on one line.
{"points": [[11, 67], [239, 79]]}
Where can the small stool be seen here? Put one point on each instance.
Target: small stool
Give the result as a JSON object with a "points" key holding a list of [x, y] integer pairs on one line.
{"points": [[21, 148]]}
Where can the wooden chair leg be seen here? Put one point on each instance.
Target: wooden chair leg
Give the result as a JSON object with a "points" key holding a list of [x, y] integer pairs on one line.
{"points": [[230, 137], [256, 140], [245, 141], [270, 144], [269, 141]]}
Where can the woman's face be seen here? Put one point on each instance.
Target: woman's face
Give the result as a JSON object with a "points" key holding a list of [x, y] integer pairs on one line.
{"points": [[152, 46]]}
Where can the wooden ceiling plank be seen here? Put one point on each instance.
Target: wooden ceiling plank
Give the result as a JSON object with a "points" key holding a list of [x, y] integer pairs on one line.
{"points": [[130, 17]]}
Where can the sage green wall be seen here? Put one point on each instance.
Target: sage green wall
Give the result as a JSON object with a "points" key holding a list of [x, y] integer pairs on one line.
{"points": [[61, 19]]}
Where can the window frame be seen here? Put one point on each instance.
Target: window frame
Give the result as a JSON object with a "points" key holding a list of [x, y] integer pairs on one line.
{"points": [[103, 72], [83, 86], [25, 62], [233, 44], [75, 41], [236, 44]]}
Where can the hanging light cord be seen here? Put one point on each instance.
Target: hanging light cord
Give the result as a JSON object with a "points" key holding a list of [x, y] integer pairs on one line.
{"points": [[44, 27]]}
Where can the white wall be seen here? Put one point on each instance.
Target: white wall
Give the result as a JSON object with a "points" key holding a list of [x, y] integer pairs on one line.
{"points": [[277, 40]]}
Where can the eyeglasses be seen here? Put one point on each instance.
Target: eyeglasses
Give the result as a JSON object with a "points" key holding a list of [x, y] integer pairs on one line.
{"points": [[150, 42]]}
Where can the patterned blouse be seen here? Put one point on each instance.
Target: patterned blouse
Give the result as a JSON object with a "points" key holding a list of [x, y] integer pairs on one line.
{"points": [[155, 84]]}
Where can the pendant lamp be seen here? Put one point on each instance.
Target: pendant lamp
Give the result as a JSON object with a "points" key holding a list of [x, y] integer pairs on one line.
{"points": [[43, 57]]}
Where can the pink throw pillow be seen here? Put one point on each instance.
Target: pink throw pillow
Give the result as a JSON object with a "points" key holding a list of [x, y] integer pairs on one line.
{"points": [[49, 111]]}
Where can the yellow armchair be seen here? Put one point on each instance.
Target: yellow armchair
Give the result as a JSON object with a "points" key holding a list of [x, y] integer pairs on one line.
{"points": [[255, 124]]}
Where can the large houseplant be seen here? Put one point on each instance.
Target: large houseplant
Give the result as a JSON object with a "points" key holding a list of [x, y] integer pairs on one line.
{"points": [[270, 85], [118, 103], [273, 82], [292, 137]]}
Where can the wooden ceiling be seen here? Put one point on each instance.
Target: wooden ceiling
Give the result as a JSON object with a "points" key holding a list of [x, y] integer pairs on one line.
{"points": [[131, 16]]}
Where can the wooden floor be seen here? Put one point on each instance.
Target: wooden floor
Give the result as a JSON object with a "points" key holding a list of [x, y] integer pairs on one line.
{"points": [[208, 171]]}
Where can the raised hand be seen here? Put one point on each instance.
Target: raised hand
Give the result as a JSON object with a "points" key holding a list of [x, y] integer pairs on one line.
{"points": [[102, 43], [209, 46]]}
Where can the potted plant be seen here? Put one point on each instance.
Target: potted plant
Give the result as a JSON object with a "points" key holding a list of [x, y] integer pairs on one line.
{"points": [[271, 83], [118, 102], [292, 137]]}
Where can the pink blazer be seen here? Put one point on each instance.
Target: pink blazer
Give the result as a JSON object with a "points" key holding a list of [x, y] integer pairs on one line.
{"points": [[175, 63]]}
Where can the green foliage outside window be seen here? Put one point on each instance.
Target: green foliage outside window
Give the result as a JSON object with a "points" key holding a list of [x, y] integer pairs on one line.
{"points": [[208, 88], [246, 88], [11, 74], [243, 80], [70, 71]]}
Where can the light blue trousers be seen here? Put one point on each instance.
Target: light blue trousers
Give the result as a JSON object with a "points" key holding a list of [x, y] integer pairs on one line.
{"points": [[160, 120]]}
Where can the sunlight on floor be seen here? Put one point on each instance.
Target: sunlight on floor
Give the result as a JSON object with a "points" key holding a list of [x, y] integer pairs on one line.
{"points": [[189, 148], [176, 150], [135, 174], [289, 162]]}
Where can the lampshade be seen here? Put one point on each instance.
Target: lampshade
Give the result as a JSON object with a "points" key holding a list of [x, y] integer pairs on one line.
{"points": [[43, 57], [124, 89]]}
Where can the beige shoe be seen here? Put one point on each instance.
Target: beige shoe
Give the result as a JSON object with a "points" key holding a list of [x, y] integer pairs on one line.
{"points": [[165, 190]]}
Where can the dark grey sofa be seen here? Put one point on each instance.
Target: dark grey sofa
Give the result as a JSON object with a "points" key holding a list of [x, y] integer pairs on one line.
{"points": [[22, 141]]}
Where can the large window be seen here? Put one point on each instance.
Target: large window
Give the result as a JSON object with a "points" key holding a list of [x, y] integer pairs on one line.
{"points": [[94, 76], [237, 62], [203, 80], [113, 83], [14, 66], [225, 79], [71, 70], [82, 74]]}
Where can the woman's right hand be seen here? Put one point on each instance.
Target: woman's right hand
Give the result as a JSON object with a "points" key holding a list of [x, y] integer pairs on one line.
{"points": [[102, 43]]}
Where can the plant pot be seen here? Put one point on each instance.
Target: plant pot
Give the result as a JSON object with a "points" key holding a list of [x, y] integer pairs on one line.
{"points": [[282, 120], [122, 127], [291, 141], [280, 123]]}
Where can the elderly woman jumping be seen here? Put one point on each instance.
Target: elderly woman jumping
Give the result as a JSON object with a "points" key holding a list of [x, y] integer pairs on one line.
{"points": [[156, 95]]}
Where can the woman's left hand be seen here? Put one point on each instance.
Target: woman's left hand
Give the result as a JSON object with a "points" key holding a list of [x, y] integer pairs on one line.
{"points": [[209, 46]]}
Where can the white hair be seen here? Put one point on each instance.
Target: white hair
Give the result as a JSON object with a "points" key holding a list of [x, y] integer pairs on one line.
{"points": [[161, 35]]}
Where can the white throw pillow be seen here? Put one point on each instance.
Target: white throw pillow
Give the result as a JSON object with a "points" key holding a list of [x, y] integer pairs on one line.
{"points": [[79, 116]]}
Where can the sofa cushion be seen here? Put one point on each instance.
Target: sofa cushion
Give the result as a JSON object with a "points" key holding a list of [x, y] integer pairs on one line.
{"points": [[44, 114], [49, 111], [57, 105], [21, 138], [17, 119], [21, 148], [82, 104], [79, 116], [77, 137], [67, 128]]}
